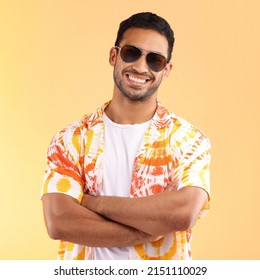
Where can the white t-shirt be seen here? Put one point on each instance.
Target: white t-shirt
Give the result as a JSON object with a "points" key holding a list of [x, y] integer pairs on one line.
{"points": [[122, 142]]}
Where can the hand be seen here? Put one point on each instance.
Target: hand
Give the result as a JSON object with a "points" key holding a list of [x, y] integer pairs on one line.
{"points": [[173, 186], [85, 200], [145, 237]]}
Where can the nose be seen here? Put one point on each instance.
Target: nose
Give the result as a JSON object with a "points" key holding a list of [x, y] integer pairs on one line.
{"points": [[140, 65]]}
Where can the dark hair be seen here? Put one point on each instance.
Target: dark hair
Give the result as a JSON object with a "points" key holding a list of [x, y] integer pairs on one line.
{"points": [[147, 20]]}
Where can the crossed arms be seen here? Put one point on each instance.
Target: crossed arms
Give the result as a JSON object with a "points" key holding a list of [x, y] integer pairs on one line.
{"points": [[109, 221]]}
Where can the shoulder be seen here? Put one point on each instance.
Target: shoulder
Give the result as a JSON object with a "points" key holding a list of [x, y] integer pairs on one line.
{"points": [[73, 129], [79, 128], [187, 128], [182, 131]]}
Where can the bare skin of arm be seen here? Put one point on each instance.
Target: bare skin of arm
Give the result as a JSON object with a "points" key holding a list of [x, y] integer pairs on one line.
{"points": [[66, 219], [157, 214]]}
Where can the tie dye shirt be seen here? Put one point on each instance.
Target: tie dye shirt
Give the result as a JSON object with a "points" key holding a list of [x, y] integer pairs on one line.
{"points": [[172, 151]]}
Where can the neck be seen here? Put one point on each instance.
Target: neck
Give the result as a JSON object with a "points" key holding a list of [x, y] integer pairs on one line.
{"points": [[124, 111]]}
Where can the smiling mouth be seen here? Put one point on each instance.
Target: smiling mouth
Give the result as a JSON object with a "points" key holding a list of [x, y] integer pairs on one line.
{"points": [[137, 80]]}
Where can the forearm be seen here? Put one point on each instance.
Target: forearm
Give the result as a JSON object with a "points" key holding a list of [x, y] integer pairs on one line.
{"points": [[100, 232], [79, 225], [130, 212], [156, 215]]}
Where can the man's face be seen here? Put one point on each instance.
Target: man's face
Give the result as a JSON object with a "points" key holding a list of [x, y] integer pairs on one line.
{"points": [[135, 80]]}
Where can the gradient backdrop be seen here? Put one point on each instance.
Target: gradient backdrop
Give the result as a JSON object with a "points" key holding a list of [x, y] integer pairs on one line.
{"points": [[54, 68]]}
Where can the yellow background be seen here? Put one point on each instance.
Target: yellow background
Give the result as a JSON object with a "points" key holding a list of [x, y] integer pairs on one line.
{"points": [[54, 68]]}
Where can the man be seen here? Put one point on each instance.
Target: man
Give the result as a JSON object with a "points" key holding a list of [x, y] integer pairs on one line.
{"points": [[130, 180]]}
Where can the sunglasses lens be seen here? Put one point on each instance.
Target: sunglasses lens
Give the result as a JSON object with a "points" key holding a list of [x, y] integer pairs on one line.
{"points": [[156, 61], [130, 53]]}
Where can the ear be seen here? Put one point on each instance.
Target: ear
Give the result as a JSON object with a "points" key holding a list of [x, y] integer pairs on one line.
{"points": [[112, 56], [167, 70]]}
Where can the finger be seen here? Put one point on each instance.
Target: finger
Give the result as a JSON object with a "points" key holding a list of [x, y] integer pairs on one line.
{"points": [[172, 186]]}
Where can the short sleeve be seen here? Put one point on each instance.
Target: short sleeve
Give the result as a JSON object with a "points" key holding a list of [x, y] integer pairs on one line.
{"points": [[63, 171], [193, 164]]}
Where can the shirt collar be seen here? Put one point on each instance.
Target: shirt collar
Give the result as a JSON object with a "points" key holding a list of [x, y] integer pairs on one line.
{"points": [[161, 118]]}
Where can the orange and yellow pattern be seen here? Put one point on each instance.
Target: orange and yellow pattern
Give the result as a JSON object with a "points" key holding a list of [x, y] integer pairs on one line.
{"points": [[173, 151]]}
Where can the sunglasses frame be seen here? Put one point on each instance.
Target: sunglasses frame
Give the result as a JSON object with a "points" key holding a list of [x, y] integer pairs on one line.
{"points": [[141, 53]]}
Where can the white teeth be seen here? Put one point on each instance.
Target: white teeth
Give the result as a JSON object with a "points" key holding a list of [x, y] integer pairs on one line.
{"points": [[137, 80]]}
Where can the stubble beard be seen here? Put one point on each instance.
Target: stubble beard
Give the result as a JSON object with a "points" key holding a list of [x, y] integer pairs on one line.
{"points": [[135, 95]]}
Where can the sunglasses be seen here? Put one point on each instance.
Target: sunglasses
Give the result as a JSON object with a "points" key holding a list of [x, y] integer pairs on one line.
{"points": [[155, 61]]}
